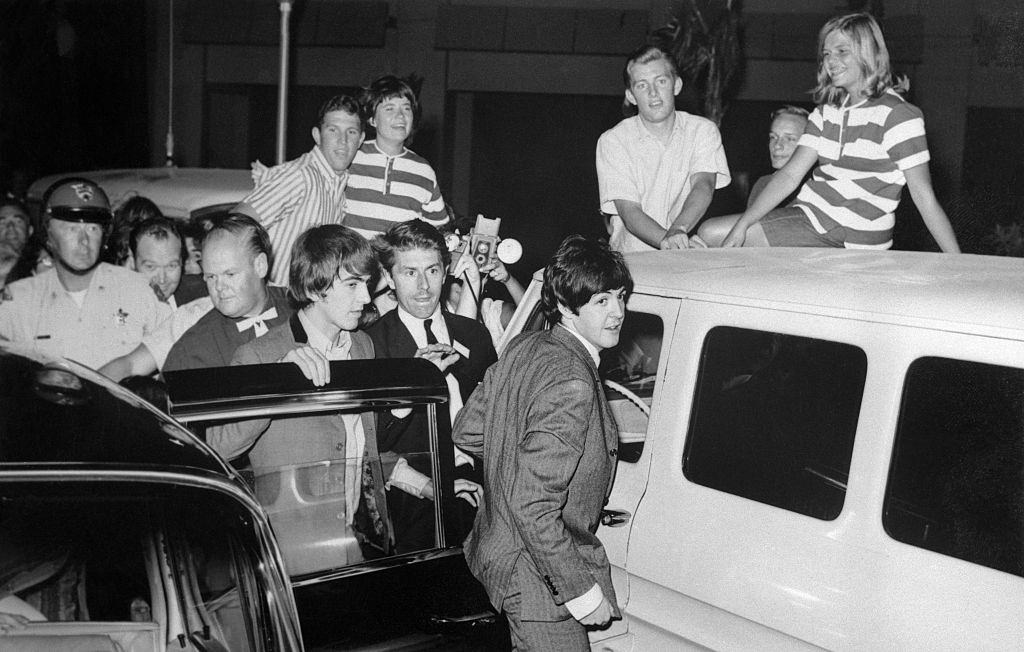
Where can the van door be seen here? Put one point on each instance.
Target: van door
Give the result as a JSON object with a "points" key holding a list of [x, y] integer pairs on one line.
{"points": [[632, 372]]}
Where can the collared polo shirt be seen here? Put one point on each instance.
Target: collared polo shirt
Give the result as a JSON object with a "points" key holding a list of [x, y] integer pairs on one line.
{"points": [[383, 190], [632, 164]]}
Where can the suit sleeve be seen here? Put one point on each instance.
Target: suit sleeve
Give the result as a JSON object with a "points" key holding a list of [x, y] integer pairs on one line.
{"points": [[548, 457], [468, 430], [232, 440]]}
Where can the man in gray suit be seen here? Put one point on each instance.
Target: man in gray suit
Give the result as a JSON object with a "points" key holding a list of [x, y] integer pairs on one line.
{"points": [[330, 267], [549, 457]]}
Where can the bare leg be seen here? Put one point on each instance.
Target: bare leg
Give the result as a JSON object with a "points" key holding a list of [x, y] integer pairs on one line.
{"points": [[714, 230]]}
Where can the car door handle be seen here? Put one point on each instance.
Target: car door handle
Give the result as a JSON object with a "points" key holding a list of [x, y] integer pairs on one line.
{"points": [[614, 517]]}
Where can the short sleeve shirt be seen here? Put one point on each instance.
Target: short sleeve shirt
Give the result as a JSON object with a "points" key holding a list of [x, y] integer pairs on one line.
{"points": [[632, 164], [118, 311], [863, 151]]}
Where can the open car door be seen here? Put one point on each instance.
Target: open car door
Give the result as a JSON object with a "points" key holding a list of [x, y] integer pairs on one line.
{"points": [[360, 573]]}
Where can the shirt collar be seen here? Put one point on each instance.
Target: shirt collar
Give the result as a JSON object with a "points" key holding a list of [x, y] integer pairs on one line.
{"points": [[415, 324], [591, 349], [320, 161], [320, 342], [405, 150]]}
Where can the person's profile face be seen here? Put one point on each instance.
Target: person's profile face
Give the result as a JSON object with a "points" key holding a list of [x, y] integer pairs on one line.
{"points": [[342, 304], [14, 226], [159, 260], [339, 138], [75, 245], [233, 275], [417, 277], [783, 137], [599, 320], [652, 89]]}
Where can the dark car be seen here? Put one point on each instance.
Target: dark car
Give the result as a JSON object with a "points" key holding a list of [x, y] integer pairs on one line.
{"points": [[121, 529]]}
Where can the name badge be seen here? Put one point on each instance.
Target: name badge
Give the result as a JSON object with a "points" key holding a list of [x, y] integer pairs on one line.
{"points": [[462, 350]]}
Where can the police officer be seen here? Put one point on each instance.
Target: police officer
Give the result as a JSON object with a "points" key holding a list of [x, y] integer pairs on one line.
{"points": [[81, 309]]}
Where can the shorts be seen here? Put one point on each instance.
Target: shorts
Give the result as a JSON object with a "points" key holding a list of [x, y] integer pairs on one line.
{"points": [[789, 227]]}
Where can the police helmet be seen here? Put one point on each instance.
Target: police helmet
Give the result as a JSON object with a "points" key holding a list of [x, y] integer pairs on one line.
{"points": [[75, 199]]}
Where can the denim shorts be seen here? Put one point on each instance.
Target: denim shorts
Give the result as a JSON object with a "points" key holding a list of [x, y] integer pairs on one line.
{"points": [[789, 227]]}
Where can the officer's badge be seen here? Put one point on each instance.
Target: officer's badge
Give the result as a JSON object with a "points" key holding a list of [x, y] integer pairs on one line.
{"points": [[84, 192], [121, 317]]}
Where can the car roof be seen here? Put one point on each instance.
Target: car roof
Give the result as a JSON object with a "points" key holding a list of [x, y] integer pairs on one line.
{"points": [[969, 293], [176, 191], [59, 413]]}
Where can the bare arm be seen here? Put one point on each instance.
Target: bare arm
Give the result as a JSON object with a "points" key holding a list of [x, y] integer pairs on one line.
{"points": [[919, 181], [140, 362], [638, 223], [702, 189], [782, 183]]}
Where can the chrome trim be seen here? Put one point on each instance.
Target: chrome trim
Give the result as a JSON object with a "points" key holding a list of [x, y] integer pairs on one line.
{"points": [[375, 565], [283, 403]]}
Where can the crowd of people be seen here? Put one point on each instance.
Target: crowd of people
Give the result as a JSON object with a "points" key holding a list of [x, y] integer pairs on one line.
{"points": [[340, 254]]}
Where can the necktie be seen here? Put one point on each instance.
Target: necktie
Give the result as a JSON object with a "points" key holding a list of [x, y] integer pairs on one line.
{"points": [[431, 339], [257, 323]]}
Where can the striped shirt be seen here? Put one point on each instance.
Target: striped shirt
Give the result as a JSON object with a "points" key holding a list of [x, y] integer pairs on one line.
{"points": [[383, 190], [293, 197], [862, 153]]}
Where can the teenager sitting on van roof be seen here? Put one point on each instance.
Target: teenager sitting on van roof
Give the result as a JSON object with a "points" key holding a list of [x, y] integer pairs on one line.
{"points": [[868, 143]]}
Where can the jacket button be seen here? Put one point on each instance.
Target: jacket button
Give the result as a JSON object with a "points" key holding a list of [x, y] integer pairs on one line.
{"points": [[340, 446], [613, 452]]}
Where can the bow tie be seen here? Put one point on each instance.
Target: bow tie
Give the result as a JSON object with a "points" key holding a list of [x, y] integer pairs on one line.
{"points": [[256, 323]]}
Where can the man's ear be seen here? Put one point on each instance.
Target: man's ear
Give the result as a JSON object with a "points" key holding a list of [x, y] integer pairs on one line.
{"points": [[261, 264], [632, 98], [316, 135], [677, 86]]}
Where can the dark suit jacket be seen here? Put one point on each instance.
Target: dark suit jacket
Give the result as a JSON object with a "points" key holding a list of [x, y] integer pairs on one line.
{"points": [[548, 440], [391, 339]]}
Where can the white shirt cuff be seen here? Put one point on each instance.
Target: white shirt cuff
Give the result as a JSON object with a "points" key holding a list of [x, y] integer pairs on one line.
{"points": [[583, 605], [407, 479], [462, 457]]}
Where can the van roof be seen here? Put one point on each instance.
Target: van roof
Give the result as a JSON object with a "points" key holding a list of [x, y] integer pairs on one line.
{"points": [[970, 293]]}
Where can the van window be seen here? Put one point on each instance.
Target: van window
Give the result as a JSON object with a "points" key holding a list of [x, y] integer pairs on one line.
{"points": [[774, 419], [955, 482], [630, 370]]}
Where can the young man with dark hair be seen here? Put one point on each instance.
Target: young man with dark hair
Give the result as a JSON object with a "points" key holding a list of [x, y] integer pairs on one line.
{"points": [[414, 259], [548, 442], [330, 267], [657, 171], [388, 182], [310, 190]]}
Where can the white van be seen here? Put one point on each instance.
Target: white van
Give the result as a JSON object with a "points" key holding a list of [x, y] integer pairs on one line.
{"points": [[820, 449]]}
